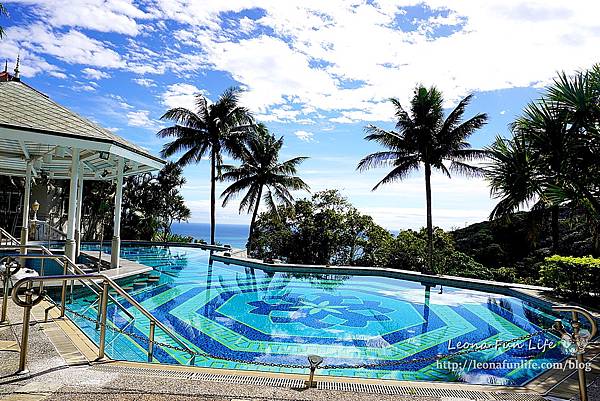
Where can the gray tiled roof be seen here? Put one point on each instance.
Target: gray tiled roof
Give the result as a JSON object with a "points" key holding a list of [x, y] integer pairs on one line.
{"points": [[24, 107]]}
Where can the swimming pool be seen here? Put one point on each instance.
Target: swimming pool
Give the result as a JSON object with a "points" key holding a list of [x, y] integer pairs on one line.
{"points": [[253, 317]]}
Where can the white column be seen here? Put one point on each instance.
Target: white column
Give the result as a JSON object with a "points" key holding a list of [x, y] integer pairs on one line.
{"points": [[79, 212], [26, 198], [72, 213], [116, 241]]}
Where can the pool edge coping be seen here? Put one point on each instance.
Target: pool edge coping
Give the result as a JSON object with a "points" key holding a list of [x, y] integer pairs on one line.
{"points": [[533, 293]]}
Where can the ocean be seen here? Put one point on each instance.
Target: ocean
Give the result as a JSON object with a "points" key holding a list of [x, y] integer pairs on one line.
{"points": [[235, 235]]}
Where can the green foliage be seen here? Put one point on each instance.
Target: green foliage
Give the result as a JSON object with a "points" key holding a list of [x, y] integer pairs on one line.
{"points": [[425, 138], [552, 158], [325, 229], [207, 132], [572, 277], [171, 237], [262, 176], [151, 203], [409, 251]]}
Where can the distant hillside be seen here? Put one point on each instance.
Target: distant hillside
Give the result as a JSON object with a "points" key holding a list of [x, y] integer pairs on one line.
{"points": [[523, 241]]}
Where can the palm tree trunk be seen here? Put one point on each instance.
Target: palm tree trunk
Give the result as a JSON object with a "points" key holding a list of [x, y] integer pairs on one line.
{"points": [[212, 195], [555, 227], [254, 214], [429, 266]]}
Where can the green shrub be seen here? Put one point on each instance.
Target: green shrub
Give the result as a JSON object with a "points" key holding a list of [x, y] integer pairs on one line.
{"points": [[506, 274], [161, 236], [571, 276], [460, 264]]}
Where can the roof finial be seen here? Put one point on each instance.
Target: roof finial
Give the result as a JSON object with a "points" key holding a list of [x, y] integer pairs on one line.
{"points": [[6, 65], [17, 67]]}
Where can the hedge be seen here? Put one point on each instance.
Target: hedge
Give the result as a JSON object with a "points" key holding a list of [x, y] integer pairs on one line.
{"points": [[571, 276]]}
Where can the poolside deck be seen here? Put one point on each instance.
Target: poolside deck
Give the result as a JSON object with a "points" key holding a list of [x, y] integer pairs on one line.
{"points": [[127, 268]]}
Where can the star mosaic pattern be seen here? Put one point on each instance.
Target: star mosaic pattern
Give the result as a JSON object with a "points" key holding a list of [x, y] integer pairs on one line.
{"points": [[230, 311]]}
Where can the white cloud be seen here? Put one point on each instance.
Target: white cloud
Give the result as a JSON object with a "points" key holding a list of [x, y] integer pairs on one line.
{"points": [[330, 43], [305, 136], [91, 73], [181, 95], [99, 15], [80, 87], [146, 82], [141, 118], [72, 47]]}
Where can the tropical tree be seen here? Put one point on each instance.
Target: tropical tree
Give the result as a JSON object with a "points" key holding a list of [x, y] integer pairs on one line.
{"points": [[169, 203], [209, 131], [512, 175], [545, 130], [553, 153], [425, 138], [261, 170], [579, 96], [4, 12]]}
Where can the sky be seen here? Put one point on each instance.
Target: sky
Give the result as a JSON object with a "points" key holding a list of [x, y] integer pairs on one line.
{"points": [[316, 72]]}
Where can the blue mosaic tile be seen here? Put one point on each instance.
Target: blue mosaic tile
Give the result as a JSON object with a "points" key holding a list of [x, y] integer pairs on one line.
{"points": [[249, 315]]}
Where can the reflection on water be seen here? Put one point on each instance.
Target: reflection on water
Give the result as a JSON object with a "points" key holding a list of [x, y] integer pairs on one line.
{"points": [[247, 314]]}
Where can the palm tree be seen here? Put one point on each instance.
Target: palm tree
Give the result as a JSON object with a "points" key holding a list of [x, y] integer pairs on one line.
{"points": [[4, 12], [544, 127], [512, 175], [424, 137], [208, 131], [260, 170]]}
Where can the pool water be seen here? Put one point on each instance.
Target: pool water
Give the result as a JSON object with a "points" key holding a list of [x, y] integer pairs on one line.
{"points": [[256, 317]]}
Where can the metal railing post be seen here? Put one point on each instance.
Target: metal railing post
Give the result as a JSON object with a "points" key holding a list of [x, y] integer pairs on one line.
{"points": [[25, 334], [6, 290], [151, 341], [103, 305], [576, 325], [579, 341], [63, 293], [107, 283]]}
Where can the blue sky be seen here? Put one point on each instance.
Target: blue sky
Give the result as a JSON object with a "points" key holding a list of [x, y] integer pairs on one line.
{"points": [[315, 72]]}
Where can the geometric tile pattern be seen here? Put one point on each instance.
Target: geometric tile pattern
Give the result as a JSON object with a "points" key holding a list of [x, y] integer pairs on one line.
{"points": [[247, 314]]}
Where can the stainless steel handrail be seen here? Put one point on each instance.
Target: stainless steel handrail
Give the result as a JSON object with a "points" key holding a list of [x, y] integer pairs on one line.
{"points": [[47, 254], [107, 283], [576, 338], [4, 233]]}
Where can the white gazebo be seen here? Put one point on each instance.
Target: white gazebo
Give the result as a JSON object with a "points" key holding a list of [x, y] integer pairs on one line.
{"points": [[40, 137]]}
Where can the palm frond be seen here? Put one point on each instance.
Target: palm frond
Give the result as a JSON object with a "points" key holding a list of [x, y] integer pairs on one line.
{"points": [[185, 117], [466, 169], [398, 173], [378, 159]]}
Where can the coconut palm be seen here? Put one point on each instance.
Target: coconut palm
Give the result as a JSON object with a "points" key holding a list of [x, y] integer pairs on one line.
{"points": [[4, 12], [209, 131], [261, 170], [579, 95], [425, 138], [512, 175], [544, 127]]}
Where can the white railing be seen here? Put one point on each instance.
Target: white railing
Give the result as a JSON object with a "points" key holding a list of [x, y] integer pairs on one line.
{"points": [[6, 238], [40, 230]]}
